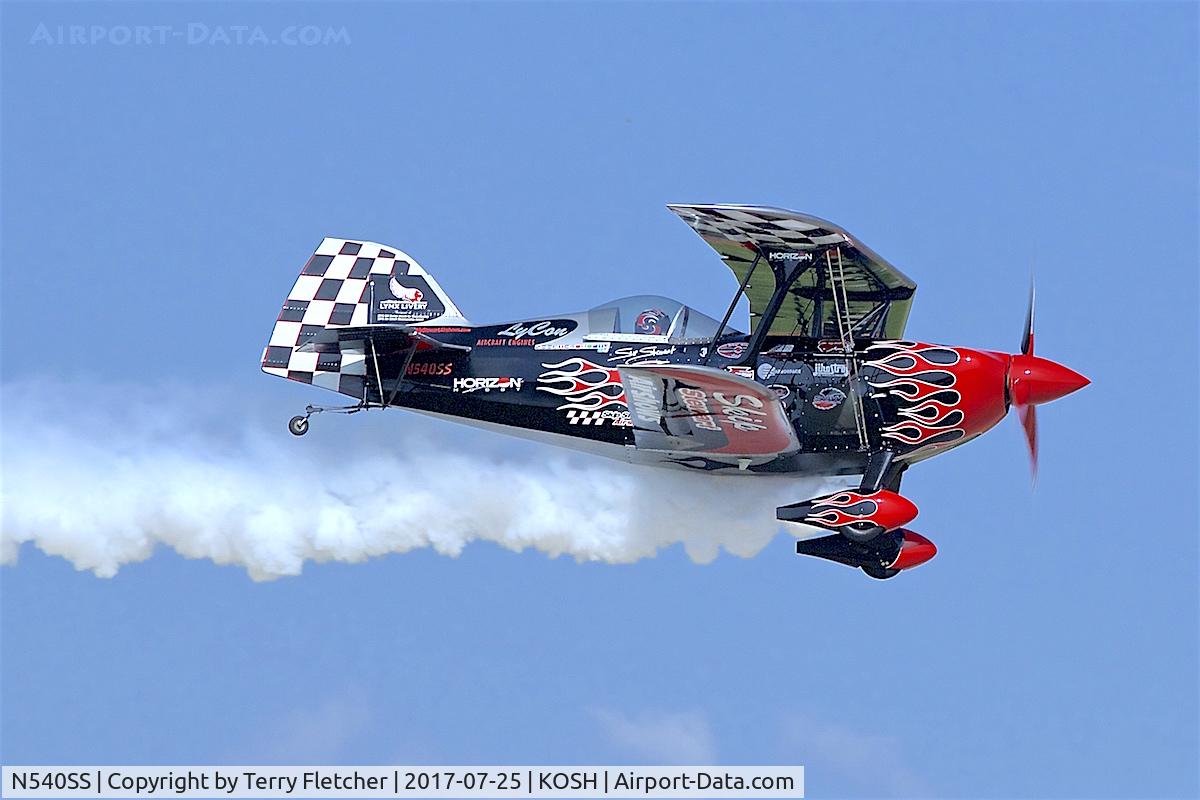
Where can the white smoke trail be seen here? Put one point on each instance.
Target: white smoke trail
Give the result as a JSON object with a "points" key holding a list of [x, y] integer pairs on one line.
{"points": [[102, 482]]}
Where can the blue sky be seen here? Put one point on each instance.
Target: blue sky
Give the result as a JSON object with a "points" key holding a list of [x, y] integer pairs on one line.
{"points": [[158, 201]]}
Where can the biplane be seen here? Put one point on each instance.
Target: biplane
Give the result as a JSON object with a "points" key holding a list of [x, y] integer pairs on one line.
{"points": [[822, 382]]}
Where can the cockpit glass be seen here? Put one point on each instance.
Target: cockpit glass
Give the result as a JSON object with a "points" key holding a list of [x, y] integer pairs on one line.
{"points": [[654, 316]]}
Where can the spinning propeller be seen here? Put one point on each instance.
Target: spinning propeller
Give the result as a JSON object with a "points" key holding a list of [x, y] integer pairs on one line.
{"points": [[1033, 381]]}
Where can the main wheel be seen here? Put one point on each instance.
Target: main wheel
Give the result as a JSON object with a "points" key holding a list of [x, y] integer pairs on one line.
{"points": [[298, 426], [880, 573], [861, 532]]}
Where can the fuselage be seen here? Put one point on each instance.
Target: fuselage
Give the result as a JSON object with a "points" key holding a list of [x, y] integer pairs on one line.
{"points": [[541, 379]]}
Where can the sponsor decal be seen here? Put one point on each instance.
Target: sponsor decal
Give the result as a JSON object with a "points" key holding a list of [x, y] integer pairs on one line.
{"points": [[432, 368], [827, 398], [547, 329], [781, 391], [582, 385], [789, 256], [648, 355], [468, 385], [599, 347], [404, 298], [830, 346], [439, 329], [741, 372], [612, 416], [696, 403], [645, 399], [780, 350], [732, 349], [743, 411], [822, 369], [830, 369], [528, 334], [767, 371]]}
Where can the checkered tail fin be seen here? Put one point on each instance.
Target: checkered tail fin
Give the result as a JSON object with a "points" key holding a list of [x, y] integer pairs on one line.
{"points": [[349, 283]]}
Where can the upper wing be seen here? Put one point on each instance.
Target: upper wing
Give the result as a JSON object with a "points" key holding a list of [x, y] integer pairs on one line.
{"points": [[879, 295], [702, 410]]}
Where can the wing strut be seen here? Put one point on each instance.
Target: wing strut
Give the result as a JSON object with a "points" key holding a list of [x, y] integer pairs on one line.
{"points": [[732, 305], [841, 307], [412, 350]]}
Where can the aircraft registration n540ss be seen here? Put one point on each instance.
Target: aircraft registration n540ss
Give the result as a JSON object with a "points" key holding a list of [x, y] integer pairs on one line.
{"points": [[822, 384]]}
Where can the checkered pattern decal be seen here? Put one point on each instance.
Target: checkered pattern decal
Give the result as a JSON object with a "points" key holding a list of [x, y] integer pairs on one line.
{"points": [[779, 229], [333, 291], [767, 227], [585, 417]]}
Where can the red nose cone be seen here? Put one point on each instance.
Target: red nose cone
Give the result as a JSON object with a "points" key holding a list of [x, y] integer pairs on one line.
{"points": [[915, 550], [1033, 380]]}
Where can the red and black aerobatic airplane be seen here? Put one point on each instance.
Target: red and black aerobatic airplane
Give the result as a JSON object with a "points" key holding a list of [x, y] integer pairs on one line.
{"points": [[822, 384]]}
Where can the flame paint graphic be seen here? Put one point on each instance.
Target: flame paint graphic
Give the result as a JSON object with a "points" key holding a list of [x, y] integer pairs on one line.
{"points": [[923, 390], [584, 385], [841, 509]]}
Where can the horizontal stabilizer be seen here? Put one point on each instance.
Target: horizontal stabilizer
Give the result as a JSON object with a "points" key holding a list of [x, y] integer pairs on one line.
{"points": [[702, 410], [386, 339]]}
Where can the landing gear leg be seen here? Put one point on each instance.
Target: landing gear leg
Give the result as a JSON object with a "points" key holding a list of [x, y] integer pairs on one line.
{"points": [[883, 472], [891, 479], [875, 475]]}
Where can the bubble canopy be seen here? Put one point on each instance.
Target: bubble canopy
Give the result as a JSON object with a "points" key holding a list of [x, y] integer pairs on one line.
{"points": [[647, 317]]}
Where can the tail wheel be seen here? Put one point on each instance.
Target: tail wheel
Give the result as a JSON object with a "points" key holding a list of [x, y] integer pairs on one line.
{"points": [[298, 426], [861, 532]]}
